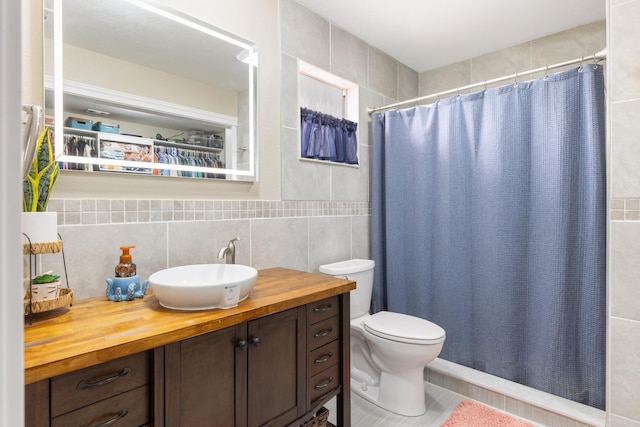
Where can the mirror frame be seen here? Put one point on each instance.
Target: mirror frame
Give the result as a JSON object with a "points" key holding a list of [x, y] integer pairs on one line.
{"points": [[250, 175]]}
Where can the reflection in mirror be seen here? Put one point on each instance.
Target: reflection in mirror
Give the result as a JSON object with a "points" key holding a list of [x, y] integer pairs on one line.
{"points": [[143, 89]]}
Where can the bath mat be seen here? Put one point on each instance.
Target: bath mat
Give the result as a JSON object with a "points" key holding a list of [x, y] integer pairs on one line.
{"points": [[473, 414]]}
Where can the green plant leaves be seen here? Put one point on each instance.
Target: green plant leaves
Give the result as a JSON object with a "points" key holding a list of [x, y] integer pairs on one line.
{"points": [[44, 172]]}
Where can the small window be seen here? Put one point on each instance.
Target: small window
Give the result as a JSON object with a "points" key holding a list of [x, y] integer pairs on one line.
{"points": [[328, 117]]}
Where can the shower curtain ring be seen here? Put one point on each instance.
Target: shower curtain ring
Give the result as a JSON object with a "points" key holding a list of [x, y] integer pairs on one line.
{"points": [[581, 62], [595, 61], [515, 84], [546, 72]]}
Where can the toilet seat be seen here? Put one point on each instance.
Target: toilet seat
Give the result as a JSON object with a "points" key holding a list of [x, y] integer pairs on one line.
{"points": [[404, 328]]}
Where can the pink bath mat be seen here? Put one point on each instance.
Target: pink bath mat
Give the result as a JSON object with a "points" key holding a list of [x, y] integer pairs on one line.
{"points": [[473, 414]]}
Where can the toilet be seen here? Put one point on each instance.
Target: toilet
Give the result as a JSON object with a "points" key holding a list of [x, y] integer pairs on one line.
{"points": [[388, 350]]}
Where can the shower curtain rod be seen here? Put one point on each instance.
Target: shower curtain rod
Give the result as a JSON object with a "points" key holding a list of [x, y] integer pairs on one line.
{"points": [[596, 57]]}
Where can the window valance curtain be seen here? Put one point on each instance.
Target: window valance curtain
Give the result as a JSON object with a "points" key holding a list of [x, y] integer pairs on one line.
{"points": [[326, 137]]}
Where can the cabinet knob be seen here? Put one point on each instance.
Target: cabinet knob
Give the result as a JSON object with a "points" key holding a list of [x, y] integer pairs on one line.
{"points": [[242, 345], [256, 341]]}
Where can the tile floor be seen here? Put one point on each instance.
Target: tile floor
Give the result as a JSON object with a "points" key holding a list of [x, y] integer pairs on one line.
{"points": [[440, 404]]}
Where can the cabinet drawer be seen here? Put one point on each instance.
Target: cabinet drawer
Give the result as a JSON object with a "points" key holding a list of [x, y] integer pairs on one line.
{"points": [[323, 332], [323, 357], [322, 383], [129, 409], [320, 310], [80, 388]]}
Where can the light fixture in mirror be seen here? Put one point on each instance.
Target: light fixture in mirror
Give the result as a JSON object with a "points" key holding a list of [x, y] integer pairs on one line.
{"points": [[139, 88]]}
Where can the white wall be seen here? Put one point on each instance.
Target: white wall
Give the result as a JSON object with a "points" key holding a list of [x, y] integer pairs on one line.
{"points": [[11, 336]]}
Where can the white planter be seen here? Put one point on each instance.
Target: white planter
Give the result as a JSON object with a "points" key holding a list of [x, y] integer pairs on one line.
{"points": [[41, 227], [45, 291]]}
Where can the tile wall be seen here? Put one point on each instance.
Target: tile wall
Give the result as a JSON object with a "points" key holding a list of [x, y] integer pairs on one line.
{"points": [[623, 102]]}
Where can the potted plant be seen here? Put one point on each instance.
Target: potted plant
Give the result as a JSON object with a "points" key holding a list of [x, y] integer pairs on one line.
{"points": [[45, 286], [38, 224]]}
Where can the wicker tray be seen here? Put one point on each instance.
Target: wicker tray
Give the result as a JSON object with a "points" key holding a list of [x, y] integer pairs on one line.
{"points": [[320, 420], [42, 248], [65, 298]]}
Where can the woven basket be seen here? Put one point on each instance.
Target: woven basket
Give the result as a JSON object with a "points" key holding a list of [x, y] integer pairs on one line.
{"points": [[65, 298], [42, 248], [319, 420]]}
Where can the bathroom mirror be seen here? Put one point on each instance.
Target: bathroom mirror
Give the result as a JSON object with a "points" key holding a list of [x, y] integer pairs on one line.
{"points": [[143, 89]]}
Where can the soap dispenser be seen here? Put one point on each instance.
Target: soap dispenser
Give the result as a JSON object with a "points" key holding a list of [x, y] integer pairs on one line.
{"points": [[126, 268]]}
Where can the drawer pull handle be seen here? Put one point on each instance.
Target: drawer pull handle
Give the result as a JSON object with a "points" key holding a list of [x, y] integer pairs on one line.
{"points": [[323, 358], [113, 420], [323, 384], [83, 385], [323, 333], [243, 345], [322, 308]]}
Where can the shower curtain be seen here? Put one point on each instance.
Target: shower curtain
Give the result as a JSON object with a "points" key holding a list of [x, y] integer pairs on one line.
{"points": [[489, 219]]}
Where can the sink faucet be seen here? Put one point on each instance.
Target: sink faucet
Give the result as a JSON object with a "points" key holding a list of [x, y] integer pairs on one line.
{"points": [[229, 252]]}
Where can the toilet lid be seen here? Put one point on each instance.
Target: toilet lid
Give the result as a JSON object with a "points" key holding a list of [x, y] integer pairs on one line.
{"points": [[404, 328]]}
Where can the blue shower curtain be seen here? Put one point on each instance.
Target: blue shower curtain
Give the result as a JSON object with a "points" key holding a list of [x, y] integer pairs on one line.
{"points": [[489, 219]]}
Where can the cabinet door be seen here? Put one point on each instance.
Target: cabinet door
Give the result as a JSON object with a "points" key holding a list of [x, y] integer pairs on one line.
{"points": [[276, 368], [200, 380]]}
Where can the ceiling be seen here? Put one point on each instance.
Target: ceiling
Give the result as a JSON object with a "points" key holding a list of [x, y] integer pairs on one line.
{"points": [[427, 34]]}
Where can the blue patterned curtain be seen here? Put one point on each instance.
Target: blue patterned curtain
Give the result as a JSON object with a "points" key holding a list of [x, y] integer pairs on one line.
{"points": [[489, 219], [325, 137]]}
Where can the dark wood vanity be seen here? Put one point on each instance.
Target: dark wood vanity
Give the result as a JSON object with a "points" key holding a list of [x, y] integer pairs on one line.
{"points": [[274, 360]]}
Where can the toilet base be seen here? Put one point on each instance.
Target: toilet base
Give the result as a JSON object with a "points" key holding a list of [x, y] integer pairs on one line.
{"points": [[401, 395]]}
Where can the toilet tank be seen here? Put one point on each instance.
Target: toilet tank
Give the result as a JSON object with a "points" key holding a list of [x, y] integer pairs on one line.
{"points": [[361, 272]]}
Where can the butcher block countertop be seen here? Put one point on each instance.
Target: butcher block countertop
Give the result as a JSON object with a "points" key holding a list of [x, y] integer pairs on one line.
{"points": [[97, 330]]}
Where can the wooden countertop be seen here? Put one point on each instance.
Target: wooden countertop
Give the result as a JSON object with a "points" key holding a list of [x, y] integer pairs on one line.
{"points": [[97, 330]]}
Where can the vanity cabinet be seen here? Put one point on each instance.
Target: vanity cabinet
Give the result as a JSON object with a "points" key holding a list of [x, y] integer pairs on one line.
{"points": [[251, 374], [272, 361]]}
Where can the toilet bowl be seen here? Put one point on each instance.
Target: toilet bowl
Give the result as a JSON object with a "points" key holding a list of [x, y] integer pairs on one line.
{"points": [[388, 350]]}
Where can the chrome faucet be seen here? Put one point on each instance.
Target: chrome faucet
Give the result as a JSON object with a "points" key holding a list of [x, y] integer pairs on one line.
{"points": [[229, 252]]}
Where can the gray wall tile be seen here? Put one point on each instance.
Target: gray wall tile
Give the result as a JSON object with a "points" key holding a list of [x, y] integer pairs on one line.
{"points": [[623, 58], [625, 367], [407, 83], [625, 156], [289, 107], [574, 43], [280, 243], [383, 73], [305, 35], [329, 242], [361, 237], [501, 63], [445, 78], [199, 242], [348, 56], [302, 180], [624, 291], [352, 184]]}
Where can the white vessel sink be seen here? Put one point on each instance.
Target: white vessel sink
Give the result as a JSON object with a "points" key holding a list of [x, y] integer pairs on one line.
{"points": [[203, 286]]}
